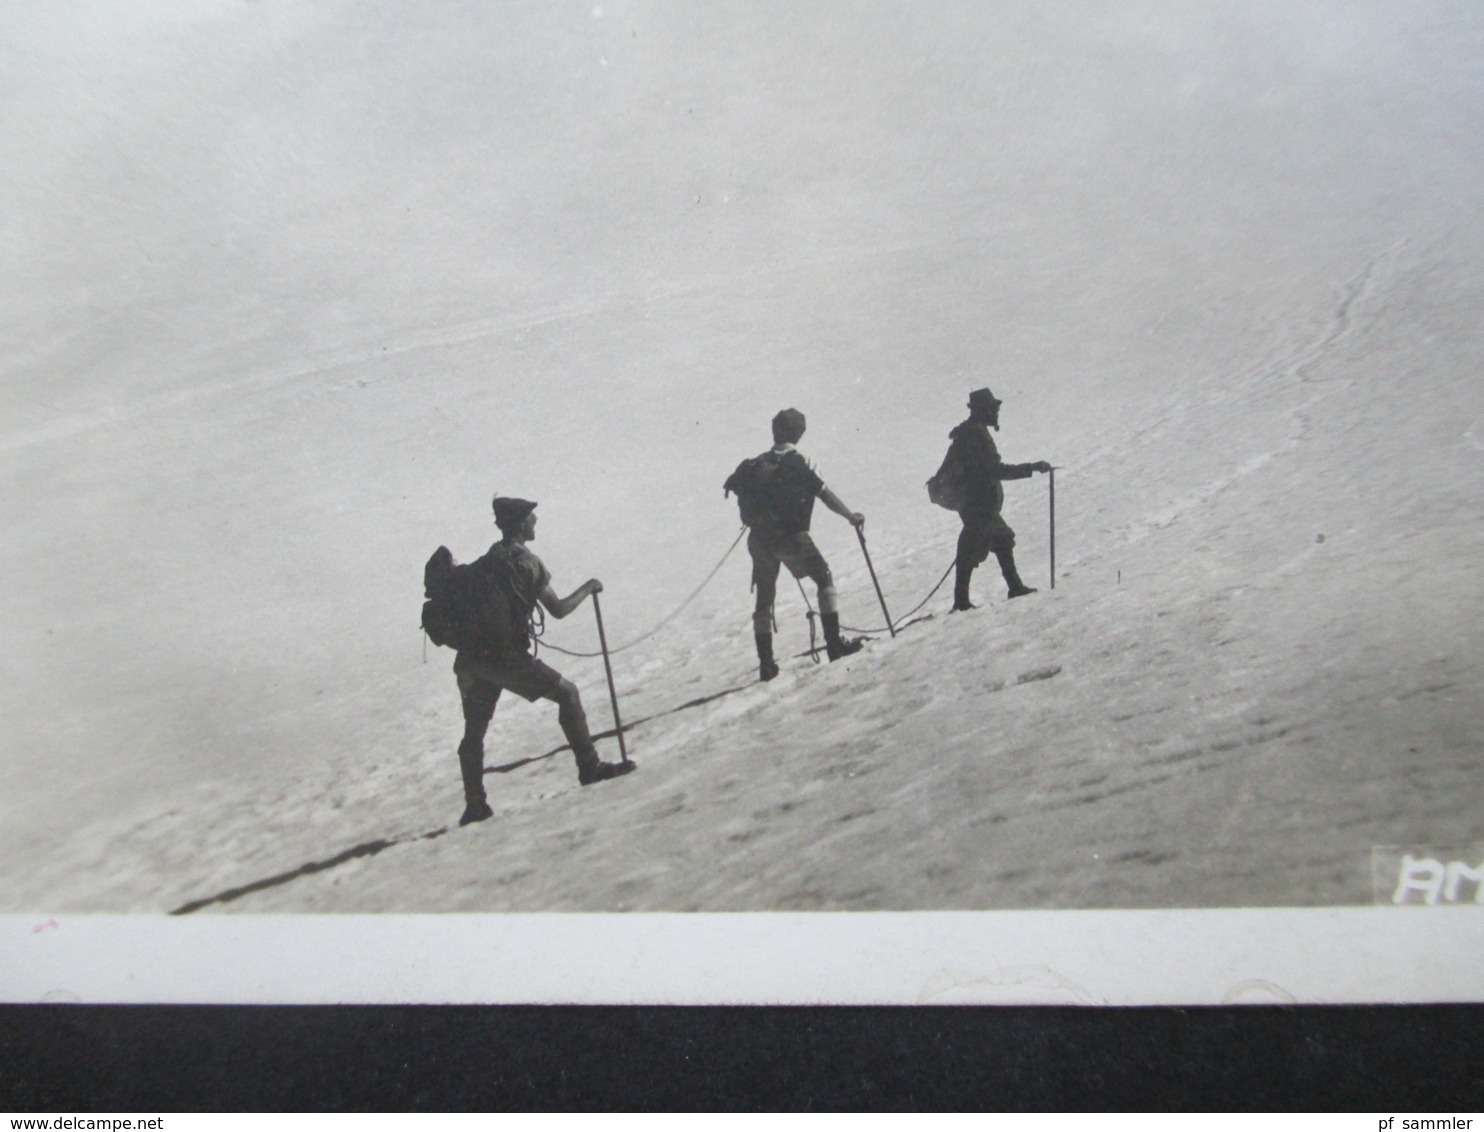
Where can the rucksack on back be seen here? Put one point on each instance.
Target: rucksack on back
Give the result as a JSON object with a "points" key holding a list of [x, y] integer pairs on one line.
{"points": [[471, 606], [440, 622], [770, 497], [747, 484], [948, 486]]}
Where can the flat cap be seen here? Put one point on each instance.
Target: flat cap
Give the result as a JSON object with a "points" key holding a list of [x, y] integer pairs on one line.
{"points": [[511, 512]]}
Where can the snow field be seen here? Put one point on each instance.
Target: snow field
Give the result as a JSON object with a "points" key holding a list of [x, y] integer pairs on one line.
{"points": [[1221, 266]]}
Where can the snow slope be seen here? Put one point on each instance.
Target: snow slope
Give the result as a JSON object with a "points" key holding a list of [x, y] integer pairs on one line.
{"points": [[1222, 268]]}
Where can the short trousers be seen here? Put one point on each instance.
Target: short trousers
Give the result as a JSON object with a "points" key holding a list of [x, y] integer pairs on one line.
{"points": [[797, 552], [522, 673]]}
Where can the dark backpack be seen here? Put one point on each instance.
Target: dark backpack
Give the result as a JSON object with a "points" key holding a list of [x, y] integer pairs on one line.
{"points": [[949, 485], [770, 499], [746, 483], [472, 606]]}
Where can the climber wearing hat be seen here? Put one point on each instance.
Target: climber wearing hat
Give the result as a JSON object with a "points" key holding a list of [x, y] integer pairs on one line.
{"points": [[515, 581], [985, 531]]}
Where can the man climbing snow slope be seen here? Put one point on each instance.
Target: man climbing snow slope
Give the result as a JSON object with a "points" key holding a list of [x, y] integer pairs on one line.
{"points": [[985, 530], [776, 492], [484, 668]]}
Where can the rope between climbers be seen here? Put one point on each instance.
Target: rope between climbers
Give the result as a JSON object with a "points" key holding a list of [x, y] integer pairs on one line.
{"points": [[678, 610], [541, 643], [902, 620]]}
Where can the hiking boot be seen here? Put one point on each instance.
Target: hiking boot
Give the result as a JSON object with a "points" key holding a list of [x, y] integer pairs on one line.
{"points": [[962, 607], [767, 667], [596, 771], [962, 574], [1018, 588], [836, 646], [836, 649], [476, 811]]}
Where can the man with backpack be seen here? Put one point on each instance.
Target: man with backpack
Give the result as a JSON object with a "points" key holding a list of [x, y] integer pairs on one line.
{"points": [[494, 651], [776, 492], [976, 464]]}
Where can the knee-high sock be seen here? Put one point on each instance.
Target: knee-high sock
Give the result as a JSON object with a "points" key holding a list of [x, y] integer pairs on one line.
{"points": [[1007, 567], [478, 711], [962, 573], [764, 642], [471, 767], [574, 726], [831, 623]]}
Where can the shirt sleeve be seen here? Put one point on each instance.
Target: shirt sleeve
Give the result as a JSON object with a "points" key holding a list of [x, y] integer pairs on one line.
{"points": [[540, 577], [811, 478], [1004, 471], [531, 576]]}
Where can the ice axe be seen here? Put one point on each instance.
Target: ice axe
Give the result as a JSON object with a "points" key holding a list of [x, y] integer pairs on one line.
{"points": [[608, 668], [860, 534], [1051, 486]]}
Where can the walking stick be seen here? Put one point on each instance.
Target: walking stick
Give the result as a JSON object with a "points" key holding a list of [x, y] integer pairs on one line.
{"points": [[1052, 484], [608, 668], [860, 534]]}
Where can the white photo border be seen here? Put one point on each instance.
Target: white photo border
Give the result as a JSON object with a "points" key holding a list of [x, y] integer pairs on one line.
{"points": [[1113, 958]]}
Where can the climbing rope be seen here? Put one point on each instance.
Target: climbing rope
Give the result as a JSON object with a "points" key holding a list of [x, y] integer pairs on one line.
{"points": [[932, 591], [907, 620], [538, 616], [906, 617], [813, 640], [678, 609]]}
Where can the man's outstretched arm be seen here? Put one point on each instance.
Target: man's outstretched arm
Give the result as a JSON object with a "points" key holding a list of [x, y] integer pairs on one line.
{"points": [[1021, 471], [559, 607], [832, 501]]}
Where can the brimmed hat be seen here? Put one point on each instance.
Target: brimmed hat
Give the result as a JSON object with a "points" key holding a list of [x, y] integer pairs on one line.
{"points": [[983, 397], [511, 512]]}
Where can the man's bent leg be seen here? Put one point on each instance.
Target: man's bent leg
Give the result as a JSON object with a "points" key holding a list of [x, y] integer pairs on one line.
{"points": [[1004, 551], [573, 721], [1012, 576]]}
